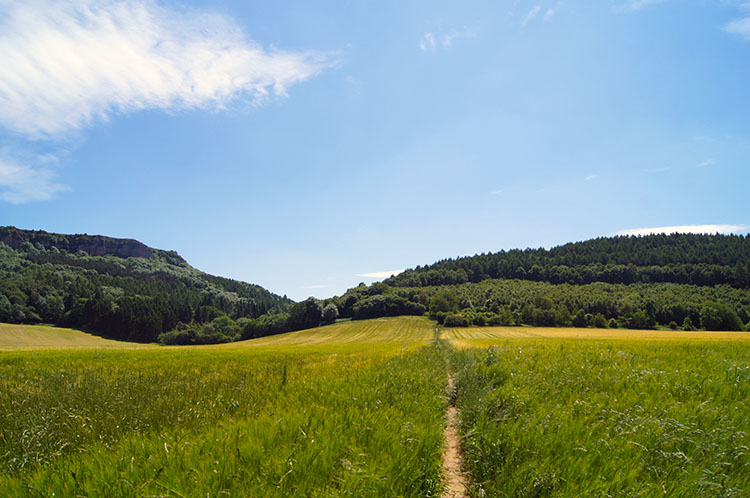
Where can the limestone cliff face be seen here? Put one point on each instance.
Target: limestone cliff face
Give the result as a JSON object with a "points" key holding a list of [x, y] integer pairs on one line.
{"points": [[94, 245]]}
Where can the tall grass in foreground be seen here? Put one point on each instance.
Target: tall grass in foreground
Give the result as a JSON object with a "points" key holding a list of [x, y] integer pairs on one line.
{"points": [[214, 422], [586, 418]]}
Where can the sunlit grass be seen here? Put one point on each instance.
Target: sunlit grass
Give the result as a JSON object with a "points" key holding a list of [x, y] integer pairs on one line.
{"points": [[590, 418], [298, 416], [13, 337], [379, 334], [356, 409]]}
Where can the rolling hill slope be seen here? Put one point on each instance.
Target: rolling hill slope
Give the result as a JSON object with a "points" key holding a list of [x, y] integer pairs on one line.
{"points": [[13, 337], [117, 287]]}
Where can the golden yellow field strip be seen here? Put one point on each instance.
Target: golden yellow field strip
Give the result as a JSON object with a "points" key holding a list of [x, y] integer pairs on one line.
{"points": [[383, 333], [486, 336], [14, 337], [399, 332]]}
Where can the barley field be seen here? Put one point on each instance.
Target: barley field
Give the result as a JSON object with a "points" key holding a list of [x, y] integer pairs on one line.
{"points": [[292, 417], [358, 409], [591, 418]]}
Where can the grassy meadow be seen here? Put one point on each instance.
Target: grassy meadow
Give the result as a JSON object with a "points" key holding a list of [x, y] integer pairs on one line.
{"points": [[361, 416], [357, 409], [555, 417]]}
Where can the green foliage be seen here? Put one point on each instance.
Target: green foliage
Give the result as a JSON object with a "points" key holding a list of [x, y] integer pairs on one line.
{"points": [[456, 320], [385, 305], [580, 319], [719, 316], [677, 258], [639, 320], [330, 314], [443, 301], [115, 287], [517, 302], [306, 314]]}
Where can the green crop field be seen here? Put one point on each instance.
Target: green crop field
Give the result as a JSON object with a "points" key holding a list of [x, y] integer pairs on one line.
{"points": [[357, 414], [357, 408], [575, 418]]}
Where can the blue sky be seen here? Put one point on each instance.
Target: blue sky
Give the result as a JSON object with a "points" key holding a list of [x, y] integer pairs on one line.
{"points": [[302, 145]]}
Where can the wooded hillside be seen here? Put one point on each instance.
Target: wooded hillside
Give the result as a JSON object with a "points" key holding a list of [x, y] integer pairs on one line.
{"points": [[116, 287]]}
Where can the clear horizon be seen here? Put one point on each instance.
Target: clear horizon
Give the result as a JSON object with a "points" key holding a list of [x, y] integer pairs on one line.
{"points": [[306, 148]]}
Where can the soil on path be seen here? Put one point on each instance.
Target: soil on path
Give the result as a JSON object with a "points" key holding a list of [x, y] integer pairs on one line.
{"points": [[455, 478]]}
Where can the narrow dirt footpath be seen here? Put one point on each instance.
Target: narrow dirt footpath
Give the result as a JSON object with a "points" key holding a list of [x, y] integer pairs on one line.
{"points": [[455, 478]]}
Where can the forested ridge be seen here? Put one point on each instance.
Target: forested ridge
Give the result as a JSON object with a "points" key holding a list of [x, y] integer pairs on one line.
{"points": [[677, 258], [119, 288], [683, 281], [127, 290]]}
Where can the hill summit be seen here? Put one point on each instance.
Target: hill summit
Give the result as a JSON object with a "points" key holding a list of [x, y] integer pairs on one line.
{"points": [[121, 288]]}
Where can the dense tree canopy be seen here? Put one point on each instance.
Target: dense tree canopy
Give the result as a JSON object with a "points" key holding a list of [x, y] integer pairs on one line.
{"points": [[132, 298], [676, 281], [677, 258], [638, 282]]}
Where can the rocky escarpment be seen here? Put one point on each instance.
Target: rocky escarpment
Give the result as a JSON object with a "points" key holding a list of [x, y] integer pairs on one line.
{"points": [[93, 245]]}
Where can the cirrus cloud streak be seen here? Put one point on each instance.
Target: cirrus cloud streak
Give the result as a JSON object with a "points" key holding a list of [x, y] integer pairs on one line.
{"points": [[21, 183], [67, 65]]}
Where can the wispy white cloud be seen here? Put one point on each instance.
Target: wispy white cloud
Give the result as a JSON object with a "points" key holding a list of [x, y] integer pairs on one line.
{"points": [[707, 162], [427, 42], [67, 65], [685, 229], [497, 192], [531, 15], [449, 38], [591, 178], [635, 5], [380, 274], [739, 27], [549, 15], [431, 41], [23, 182]]}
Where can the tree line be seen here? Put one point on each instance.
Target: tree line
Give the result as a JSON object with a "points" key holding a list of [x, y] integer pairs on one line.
{"points": [[676, 281], [497, 302], [704, 260]]}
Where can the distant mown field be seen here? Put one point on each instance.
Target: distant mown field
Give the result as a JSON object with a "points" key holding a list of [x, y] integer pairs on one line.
{"points": [[357, 409], [472, 337], [48, 337]]}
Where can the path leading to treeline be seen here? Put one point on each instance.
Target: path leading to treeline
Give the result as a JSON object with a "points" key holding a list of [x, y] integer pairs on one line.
{"points": [[455, 478]]}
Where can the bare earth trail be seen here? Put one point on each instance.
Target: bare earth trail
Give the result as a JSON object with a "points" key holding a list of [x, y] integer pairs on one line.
{"points": [[455, 478]]}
